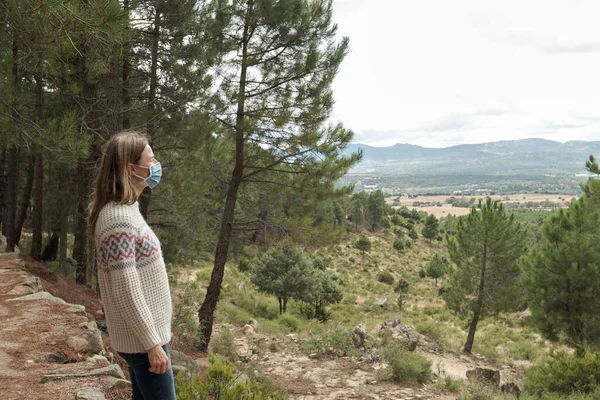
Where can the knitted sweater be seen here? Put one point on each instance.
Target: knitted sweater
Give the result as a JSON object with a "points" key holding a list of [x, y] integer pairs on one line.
{"points": [[133, 280]]}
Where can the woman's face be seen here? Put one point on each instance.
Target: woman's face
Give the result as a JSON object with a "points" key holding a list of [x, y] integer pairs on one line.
{"points": [[146, 160]]}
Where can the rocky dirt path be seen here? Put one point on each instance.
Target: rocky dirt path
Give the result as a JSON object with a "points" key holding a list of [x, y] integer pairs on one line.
{"points": [[49, 350], [317, 378]]}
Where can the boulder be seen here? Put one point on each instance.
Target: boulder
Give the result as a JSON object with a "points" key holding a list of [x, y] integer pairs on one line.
{"points": [[254, 324], [90, 394], [383, 303], [247, 330], [484, 375], [30, 286], [511, 388], [90, 341], [180, 359], [359, 335], [39, 296], [525, 315], [241, 286]]}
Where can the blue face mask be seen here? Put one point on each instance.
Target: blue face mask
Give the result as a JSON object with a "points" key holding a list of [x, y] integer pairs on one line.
{"points": [[154, 177]]}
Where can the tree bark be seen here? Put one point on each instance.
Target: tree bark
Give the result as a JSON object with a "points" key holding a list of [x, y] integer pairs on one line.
{"points": [[150, 124], [63, 226], [207, 310], [81, 237], [478, 306], [126, 91], [2, 181], [38, 199], [10, 208], [25, 199]]}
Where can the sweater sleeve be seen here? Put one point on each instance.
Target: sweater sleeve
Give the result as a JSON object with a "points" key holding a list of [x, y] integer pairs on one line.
{"points": [[118, 248]]}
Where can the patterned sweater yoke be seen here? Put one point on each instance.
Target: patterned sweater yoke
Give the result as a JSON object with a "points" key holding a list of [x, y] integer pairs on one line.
{"points": [[133, 280]]}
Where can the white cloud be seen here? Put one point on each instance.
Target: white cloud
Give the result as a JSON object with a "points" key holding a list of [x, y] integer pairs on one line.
{"points": [[438, 73]]}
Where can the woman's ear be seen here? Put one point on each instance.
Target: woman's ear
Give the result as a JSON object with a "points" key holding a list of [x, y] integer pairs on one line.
{"points": [[130, 169]]}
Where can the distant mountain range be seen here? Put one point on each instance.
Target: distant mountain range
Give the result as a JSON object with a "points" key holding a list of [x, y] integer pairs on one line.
{"points": [[544, 150]]}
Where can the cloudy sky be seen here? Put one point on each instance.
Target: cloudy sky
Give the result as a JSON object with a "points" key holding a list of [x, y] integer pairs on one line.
{"points": [[438, 73]]}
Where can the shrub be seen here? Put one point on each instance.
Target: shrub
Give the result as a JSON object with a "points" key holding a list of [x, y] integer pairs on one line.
{"points": [[332, 341], [245, 265], [448, 385], [430, 329], [402, 286], [386, 277], [565, 374], [223, 345], [400, 301], [479, 391], [221, 384], [422, 273], [289, 323], [408, 244], [405, 366]]}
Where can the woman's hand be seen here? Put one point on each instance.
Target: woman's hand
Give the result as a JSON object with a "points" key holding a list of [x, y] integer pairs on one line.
{"points": [[159, 362]]}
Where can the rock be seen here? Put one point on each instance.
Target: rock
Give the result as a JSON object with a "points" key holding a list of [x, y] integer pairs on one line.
{"points": [[484, 375], [90, 394], [39, 296], [490, 326], [383, 303], [360, 299], [273, 347], [90, 341], [241, 286], [181, 359], [116, 383], [97, 358], [359, 335], [247, 330], [254, 324], [2, 244], [202, 363], [112, 370], [30, 286], [57, 358], [99, 314], [525, 315], [511, 388], [77, 309]]}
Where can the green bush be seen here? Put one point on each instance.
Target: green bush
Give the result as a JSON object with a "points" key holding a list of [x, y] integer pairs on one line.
{"points": [[480, 391], [448, 385], [402, 286], [385, 277], [289, 323], [338, 341], [221, 384], [430, 329], [224, 345], [244, 265], [565, 374], [405, 366]]}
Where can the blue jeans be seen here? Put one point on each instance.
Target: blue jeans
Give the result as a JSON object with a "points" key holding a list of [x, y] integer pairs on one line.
{"points": [[146, 385]]}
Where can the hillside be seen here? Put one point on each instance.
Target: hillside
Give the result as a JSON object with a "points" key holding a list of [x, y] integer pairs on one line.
{"points": [[522, 166]]}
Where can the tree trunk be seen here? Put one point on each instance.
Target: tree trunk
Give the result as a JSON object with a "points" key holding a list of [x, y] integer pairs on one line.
{"points": [[207, 310], [150, 124], [81, 237], [2, 181], [63, 226], [12, 184], [25, 199], [478, 306], [38, 179], [285, 300], [10, 206], [126, 93], [280, 305]]}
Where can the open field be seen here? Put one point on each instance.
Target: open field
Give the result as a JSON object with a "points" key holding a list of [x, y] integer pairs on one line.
{"points": [[445, 209]]}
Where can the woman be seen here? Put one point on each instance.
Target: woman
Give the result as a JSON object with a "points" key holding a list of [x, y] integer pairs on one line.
{"points": [[131, 272]]}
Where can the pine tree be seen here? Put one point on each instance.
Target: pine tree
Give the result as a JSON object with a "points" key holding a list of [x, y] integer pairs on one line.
{"points": [[562, 278], [277, 62], [363, 244], [486, 251], [436, 268], [376, 207], [430, 230]]}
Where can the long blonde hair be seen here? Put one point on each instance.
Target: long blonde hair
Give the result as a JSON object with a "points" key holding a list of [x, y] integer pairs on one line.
{"points": [[113, 182]]}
